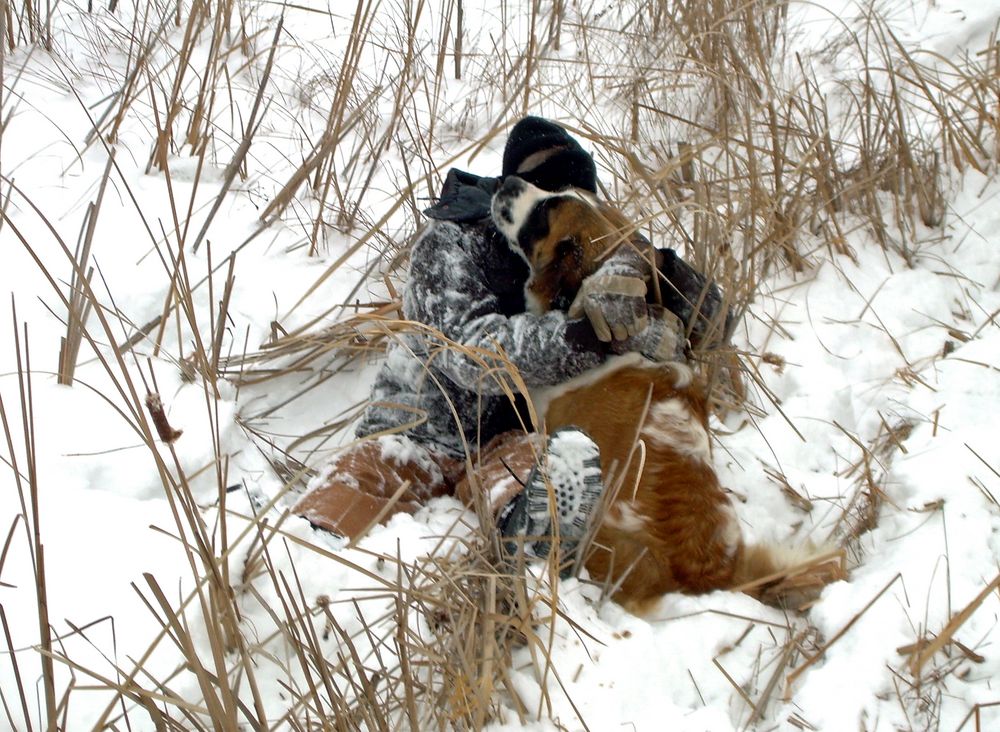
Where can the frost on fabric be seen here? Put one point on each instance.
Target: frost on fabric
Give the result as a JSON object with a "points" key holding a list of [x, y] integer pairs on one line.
{"points": [[465, 282]]}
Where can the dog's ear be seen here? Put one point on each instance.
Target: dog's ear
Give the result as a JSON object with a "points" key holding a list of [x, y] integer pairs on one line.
{"points": [[570, 273]]}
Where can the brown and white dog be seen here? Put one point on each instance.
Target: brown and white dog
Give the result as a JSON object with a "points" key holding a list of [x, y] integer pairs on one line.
{"points": [[670, 525]]}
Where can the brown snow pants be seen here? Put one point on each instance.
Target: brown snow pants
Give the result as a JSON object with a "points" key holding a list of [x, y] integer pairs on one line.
{"points": [[374, 479]]}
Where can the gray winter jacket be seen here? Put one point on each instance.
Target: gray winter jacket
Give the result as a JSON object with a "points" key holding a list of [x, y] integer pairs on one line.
{"points": [[465, 282]]}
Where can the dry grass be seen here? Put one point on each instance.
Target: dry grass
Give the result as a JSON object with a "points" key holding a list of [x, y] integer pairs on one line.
{"points": [[756, 182]]}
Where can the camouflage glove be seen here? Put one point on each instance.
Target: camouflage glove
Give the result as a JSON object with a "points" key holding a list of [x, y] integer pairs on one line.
{"points": [[614, 297], [662, 340], [614, 304]]}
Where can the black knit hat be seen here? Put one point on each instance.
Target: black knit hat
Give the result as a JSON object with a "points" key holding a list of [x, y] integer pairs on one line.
{"points": [[544, 154]]}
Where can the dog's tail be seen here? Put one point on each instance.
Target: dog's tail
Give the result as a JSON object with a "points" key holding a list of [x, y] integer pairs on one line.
{"points": [[787, 576]]}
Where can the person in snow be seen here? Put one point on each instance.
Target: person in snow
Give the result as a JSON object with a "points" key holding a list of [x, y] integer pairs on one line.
{"points": [[434, 406]]}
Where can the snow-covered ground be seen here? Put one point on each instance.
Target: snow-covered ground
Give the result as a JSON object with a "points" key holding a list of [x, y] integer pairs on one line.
{"points": [[882, 376]]}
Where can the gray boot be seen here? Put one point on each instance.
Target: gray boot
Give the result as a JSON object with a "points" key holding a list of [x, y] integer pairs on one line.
{"points": [[572, 466]]}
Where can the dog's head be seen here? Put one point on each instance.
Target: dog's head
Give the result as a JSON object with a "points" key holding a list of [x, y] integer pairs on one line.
{"points": [[563, 237]]}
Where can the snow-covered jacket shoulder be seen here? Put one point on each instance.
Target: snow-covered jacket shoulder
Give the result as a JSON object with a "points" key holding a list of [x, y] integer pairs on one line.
{"points": [[466, 283]]}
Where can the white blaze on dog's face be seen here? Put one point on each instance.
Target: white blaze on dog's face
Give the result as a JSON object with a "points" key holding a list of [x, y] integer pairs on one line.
{"points": [[511, 207], [562, 236]]}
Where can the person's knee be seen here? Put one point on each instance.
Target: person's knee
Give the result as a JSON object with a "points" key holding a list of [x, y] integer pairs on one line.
{"points": [[370, 482]]}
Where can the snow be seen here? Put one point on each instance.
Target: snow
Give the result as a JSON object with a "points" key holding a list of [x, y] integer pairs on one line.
{"points": [[863, 347]]}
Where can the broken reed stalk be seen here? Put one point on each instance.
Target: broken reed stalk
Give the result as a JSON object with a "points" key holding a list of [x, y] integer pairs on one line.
{"points": [[220, 319], [926, 651], [79, 306], [459, 32], [19, 686], [759, 708], [122, 99], [31, 514]]}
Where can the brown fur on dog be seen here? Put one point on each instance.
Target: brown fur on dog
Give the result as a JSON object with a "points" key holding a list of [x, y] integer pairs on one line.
{"points": [[670, 526], [580, 234]]}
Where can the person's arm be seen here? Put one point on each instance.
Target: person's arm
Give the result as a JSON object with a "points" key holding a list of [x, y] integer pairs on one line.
{"points": [[698, 302], [614, 297], [447, 290]]}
